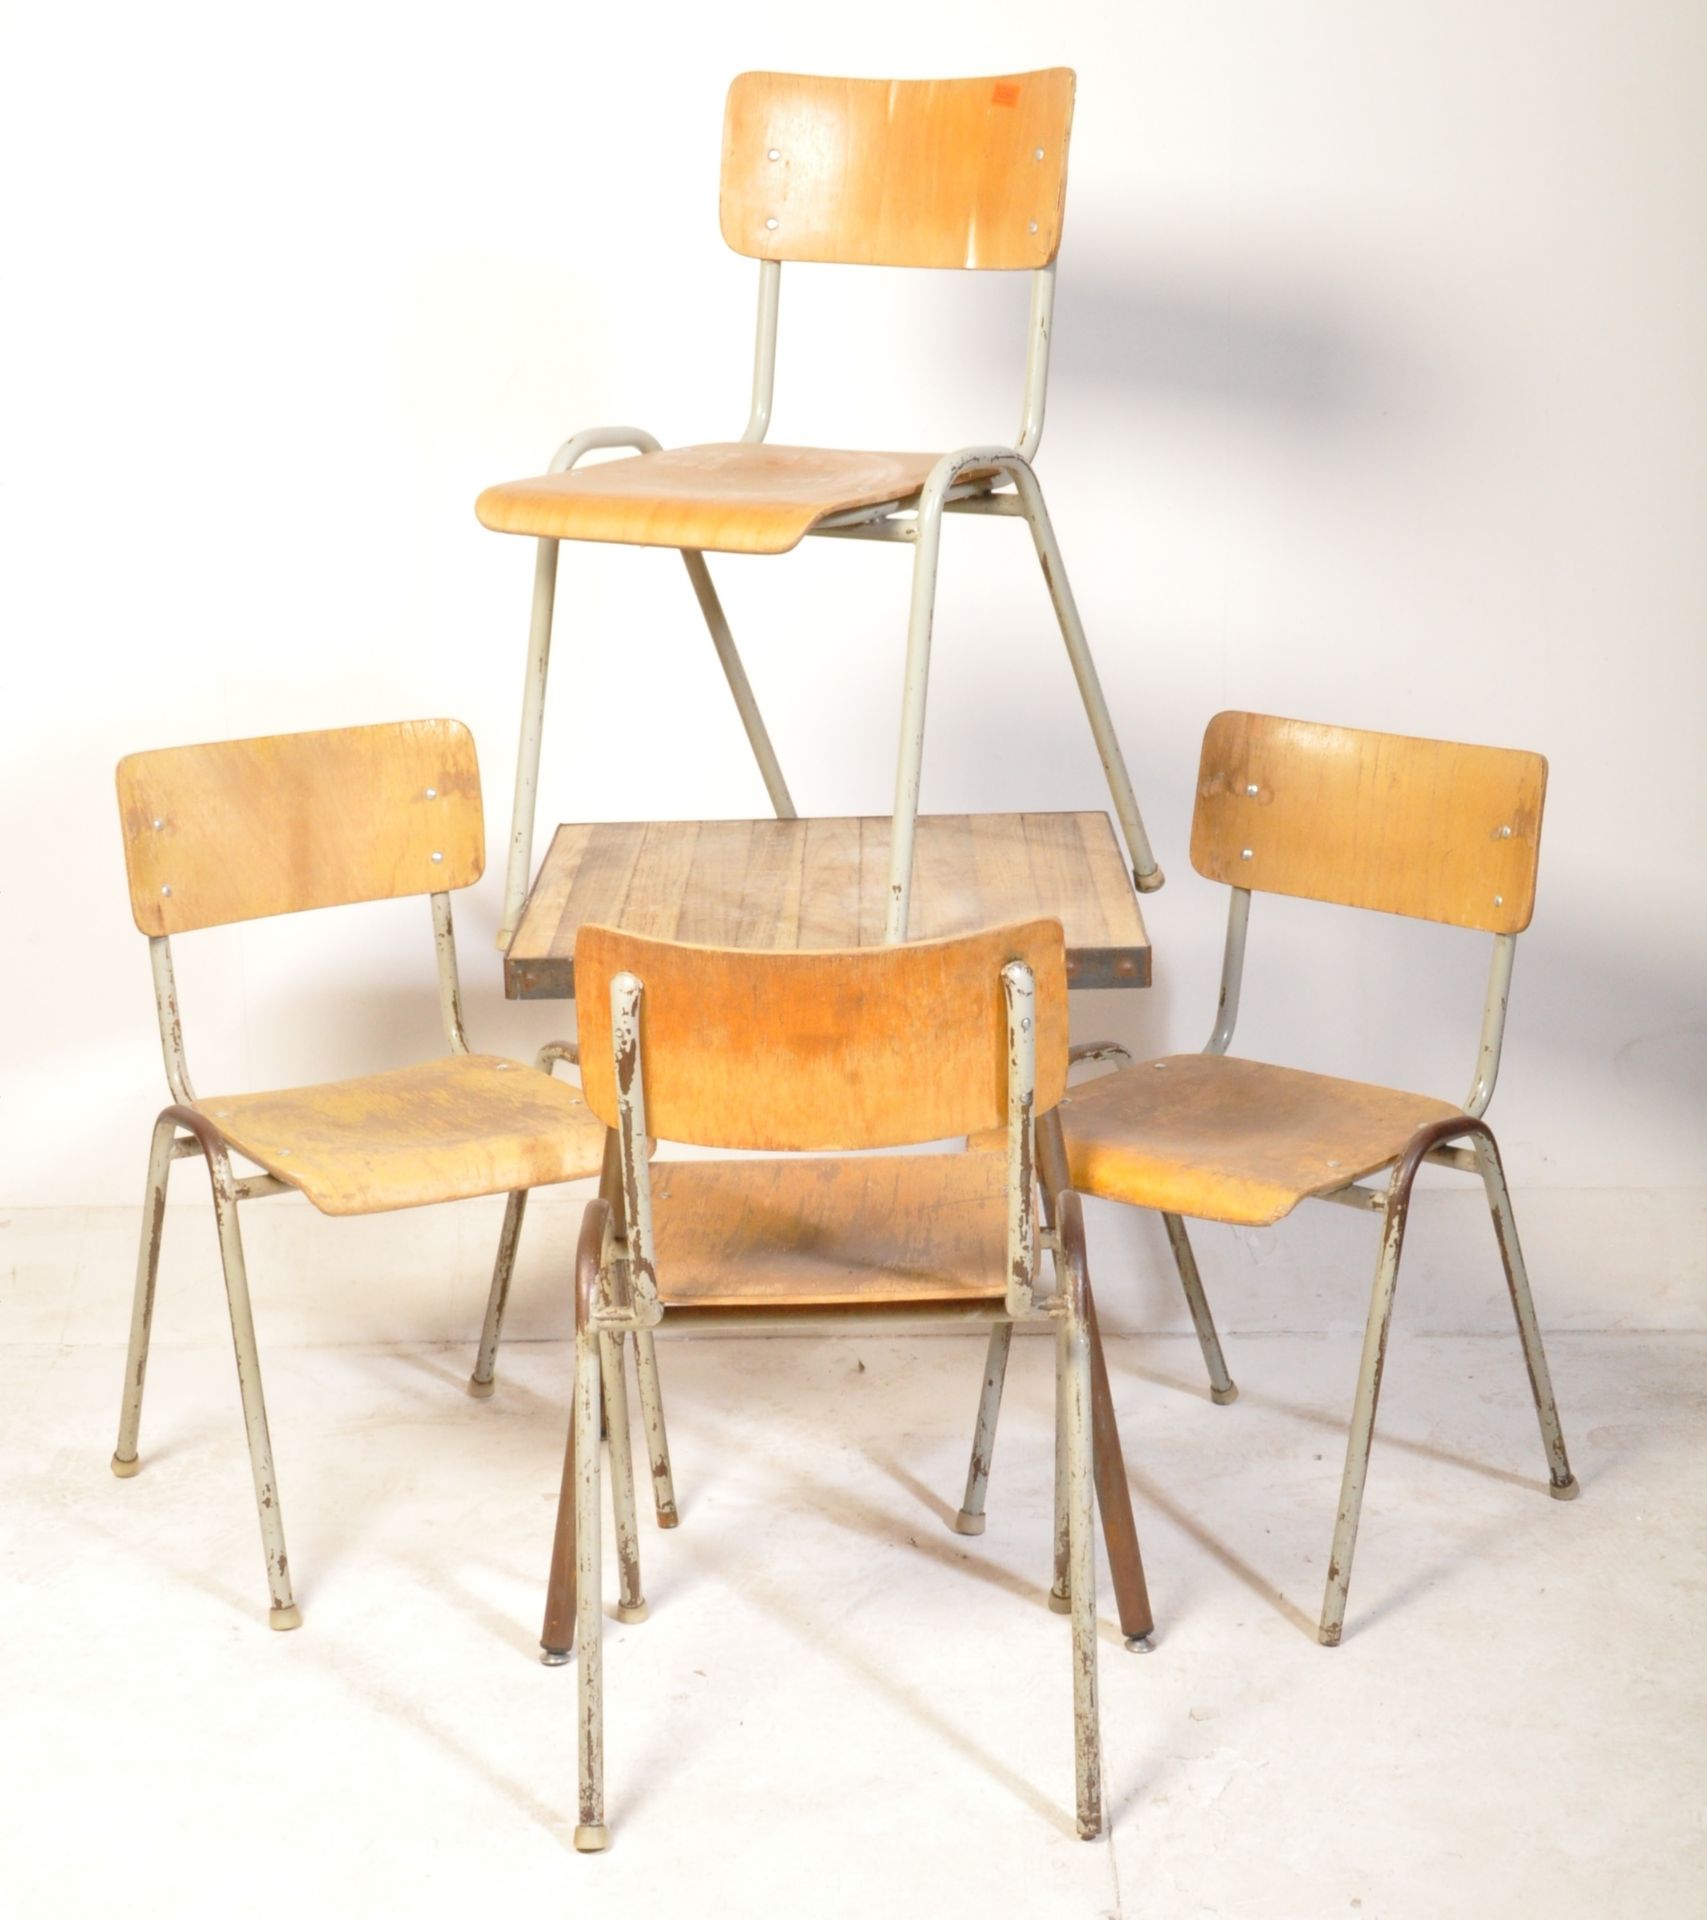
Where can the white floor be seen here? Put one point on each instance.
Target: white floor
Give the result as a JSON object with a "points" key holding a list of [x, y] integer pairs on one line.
{"points": [[838, 1706]]}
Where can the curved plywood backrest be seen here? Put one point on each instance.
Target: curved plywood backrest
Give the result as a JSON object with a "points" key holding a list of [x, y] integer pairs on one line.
{"points": [[1419, 827], [822, 1052], [897, 173], [241, 829]]}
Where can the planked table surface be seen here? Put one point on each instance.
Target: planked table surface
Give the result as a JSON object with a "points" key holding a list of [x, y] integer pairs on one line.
{"points": [[771, 884]]}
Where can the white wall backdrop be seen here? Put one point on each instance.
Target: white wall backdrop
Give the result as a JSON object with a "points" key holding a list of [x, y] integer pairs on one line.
{"points": [[1378, 397]]}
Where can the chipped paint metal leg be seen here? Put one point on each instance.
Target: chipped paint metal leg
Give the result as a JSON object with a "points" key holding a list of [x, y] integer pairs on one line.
{"points": [[480, 1381], [1061, 1585], [970, 1518], [1363, 1407], [284, 1614], [724, 641], [160, 1158], [1561, 1482], [652, 1420], [518, 875], [631, 1605], [557, 1635], [1146, 874], [1114, 1496], [1221, 1388], [590, 1833], [1075, 1389]]}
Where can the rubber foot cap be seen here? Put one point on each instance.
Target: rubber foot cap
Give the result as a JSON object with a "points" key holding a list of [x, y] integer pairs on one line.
{"points": [[1151, 882], [481, 1389], [668, 1518], [1329, 1636], [1140, 1643], [971, 1523], [126, 1469], [555, 1656], [630, 1615], [591, 1839], [284, 1619], [1224, 1396], [1060, 1602], [1568, 1491]]}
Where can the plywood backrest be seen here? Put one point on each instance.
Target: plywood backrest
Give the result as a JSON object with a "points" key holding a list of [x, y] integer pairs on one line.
{"points": [[822, 1052], [1419, 827], [241, 829], [897, 173]]}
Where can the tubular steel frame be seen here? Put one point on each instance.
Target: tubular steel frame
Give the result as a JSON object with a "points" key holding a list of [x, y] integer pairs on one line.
{"points": [[616, 1295], [961, 482], [181, 1131], [1429, 1145]]}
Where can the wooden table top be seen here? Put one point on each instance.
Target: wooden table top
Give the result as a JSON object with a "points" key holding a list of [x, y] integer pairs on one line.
{"points": [[779, 884]]}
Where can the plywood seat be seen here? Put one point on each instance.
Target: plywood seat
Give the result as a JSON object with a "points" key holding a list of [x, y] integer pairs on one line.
{"points": [[865, 1229], [448, 1129], [1216, 1138], [733, 497]]}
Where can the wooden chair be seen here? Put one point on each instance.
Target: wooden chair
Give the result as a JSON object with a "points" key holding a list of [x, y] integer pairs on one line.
{"points": [[825, 1055], [249, 828], [906, 173], [1416, 827]]}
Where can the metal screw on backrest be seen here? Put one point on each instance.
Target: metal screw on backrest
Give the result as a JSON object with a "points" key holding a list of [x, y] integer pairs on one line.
{"points": [[1034, 226], [166, 892], [774, 154], [157, 825], [1038, 155], [437, 857], [432, 793], [1499, 899], [1244, 853], [1251, 790], [1505, 833], [771, 223]]}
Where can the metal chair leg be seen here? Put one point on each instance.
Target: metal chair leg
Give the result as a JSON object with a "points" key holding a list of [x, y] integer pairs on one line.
{"points": [[1114, 1496], [284, 1614], [733, 671], [1369, 1380], [1061, 1586], [1146, 874], [518, 874], [970, 1518], [557, 1634], [631, 1605], [914, 686], [1221, 1388], [1073, 1391], [509, 1236], [652, 1419], [1561, 1483], [590, 1832], [160, 1158]]}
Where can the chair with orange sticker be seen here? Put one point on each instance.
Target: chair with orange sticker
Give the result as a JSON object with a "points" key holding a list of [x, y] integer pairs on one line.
{"points": [[968, 173]]}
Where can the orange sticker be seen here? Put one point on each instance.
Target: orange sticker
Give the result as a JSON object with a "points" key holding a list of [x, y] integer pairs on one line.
{"points": [[1005, 93]]}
